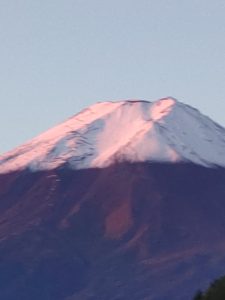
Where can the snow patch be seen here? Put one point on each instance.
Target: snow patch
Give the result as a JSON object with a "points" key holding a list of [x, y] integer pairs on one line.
{"points": [[161, 108]]}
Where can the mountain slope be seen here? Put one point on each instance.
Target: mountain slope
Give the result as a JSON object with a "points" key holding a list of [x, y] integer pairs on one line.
{"points": [[124, 201], [165, 130], [128, 231]]}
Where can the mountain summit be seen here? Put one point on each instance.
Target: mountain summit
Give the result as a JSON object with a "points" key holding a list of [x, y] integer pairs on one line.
{"points": [[134, 130]]}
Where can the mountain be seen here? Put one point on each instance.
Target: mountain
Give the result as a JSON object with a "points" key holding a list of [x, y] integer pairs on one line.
{"points": [[124, 200]]}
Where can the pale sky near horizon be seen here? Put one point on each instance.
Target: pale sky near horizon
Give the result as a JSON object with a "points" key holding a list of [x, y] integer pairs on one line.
{"points": [[57, 57]]}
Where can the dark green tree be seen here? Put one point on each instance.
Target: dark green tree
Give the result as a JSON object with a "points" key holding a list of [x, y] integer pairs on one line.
{"points": [[216, 291], [198, 296]]}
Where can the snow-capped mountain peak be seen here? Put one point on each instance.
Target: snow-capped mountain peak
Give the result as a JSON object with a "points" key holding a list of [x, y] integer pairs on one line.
{"points": [[133, 130]]}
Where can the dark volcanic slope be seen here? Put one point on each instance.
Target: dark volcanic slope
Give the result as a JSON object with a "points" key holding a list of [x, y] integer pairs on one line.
{"points": [[129, 231]]}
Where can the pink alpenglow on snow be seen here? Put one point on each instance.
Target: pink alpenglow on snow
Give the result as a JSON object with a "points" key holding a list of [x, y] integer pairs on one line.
{"points": [[133, 130]]}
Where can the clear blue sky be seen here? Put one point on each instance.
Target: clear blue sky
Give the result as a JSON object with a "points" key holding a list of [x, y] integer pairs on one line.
{"points": [[58, 56]]}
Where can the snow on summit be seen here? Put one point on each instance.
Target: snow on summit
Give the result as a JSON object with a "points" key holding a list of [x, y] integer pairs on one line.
{"points": [[165, 130]]}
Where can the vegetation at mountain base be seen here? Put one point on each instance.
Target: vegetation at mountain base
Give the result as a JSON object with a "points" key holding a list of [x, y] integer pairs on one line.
{"points": [[216, 291]]}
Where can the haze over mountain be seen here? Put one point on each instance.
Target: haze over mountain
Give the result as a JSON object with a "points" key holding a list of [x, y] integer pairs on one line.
{"points": [[123, 201]]}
